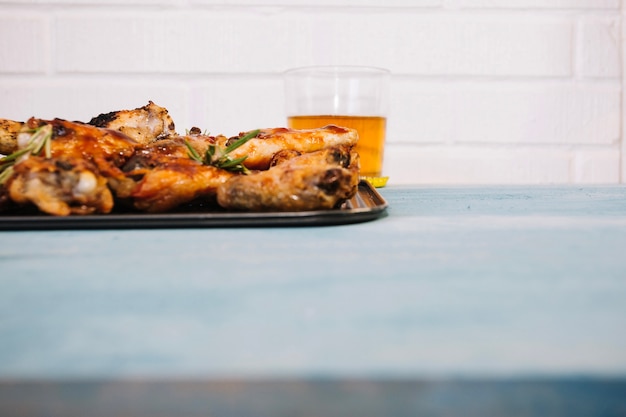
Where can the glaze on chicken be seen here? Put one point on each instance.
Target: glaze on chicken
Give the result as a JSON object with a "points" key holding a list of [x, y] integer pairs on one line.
{"points": [[80, 172], [164, 177], [133, 159]]}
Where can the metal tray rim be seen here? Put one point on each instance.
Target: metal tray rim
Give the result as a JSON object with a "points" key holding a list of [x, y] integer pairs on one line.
{"points": [[367, 205]]}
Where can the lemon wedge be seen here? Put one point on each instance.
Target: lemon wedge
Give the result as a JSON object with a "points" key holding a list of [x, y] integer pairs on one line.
{"points": [[377, 182]]}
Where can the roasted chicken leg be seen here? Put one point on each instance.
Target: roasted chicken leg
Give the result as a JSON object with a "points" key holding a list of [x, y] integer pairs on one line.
{"points": [[261, 149], [311, 181], [164, 177], [144, 124]]}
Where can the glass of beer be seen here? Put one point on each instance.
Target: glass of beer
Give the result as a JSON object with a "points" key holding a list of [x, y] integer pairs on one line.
{"points": [[347, 96]]}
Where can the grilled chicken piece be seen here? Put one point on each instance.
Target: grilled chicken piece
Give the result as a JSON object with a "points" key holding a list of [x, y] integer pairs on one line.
{"points": [[165, 177], [262, 148], [107, 149], [9, 130], [135, 156], [83, 162], [144, 124], [60, 187], [311, 181]]}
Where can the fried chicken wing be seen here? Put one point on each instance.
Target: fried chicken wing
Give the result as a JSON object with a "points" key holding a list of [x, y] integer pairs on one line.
{"points": [[143, 124], [311, 181]]}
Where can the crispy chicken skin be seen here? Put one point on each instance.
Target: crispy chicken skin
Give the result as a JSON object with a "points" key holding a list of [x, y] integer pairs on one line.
{"points": [[165, 177], [311, 181], [268, 142], [144, 124], [60, 187], [78, 176], [106, 149], [8, 135]]}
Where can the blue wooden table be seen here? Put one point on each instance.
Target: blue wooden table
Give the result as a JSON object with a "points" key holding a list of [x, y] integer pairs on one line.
{"points": [[497, 285]]}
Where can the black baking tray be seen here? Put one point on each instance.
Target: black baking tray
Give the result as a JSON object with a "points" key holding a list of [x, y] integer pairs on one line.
{"points": [[366, 205]]}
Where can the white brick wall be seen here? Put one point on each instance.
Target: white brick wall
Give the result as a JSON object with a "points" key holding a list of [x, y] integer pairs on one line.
{"points": [[484, 91]]}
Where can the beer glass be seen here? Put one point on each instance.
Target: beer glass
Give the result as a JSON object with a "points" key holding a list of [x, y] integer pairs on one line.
{"points": [[348, 96]]}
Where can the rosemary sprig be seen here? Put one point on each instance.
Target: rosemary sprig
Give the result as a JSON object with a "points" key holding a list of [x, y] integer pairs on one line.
{"points": [[219, 158], [5, 173], [38, 142]]}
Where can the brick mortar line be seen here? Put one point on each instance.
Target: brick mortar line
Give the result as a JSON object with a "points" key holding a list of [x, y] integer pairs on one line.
{"points": [[188, 78]]}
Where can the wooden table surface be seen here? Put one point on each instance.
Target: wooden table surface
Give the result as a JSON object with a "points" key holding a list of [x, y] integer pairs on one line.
{"points": [[521, 284]]}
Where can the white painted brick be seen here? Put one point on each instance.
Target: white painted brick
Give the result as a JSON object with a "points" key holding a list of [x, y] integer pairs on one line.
{"points": [[539, 114], [229, 105], [82, 99], [505, 113], [453, 44], [545, 4], [177, 42], [475, 165], [226, 42], [510, 165], [599, 48], [421, 112], [596, 166], [225, 105], [23, 44]]}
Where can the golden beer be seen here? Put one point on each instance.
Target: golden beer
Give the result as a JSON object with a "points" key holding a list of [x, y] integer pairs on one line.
{"points": [[371, 136]]}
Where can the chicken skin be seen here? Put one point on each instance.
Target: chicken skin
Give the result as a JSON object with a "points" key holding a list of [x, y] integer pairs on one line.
{"points": [[260, 149], [311, 181], [60, 187], [164, 177], [8, 135], [76, 172], [143, 125]]}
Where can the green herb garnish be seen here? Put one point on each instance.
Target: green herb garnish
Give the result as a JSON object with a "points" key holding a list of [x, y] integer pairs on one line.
{"points": [[39, 142], [219, 158]]}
